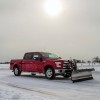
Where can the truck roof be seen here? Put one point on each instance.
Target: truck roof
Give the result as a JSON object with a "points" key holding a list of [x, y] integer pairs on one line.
{"points": [[37, 52]]}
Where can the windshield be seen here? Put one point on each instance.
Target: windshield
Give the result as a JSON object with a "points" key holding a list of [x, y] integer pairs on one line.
{"points": [[50, 55]]}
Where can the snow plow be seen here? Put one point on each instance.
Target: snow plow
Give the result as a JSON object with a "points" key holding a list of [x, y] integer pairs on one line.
{"points": [[76, 74], [81, 75]]}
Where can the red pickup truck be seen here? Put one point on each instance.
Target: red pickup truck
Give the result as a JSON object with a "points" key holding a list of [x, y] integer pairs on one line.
{"points": [[42, 62]]}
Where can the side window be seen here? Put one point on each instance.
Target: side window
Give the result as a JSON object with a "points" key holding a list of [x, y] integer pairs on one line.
{"points": [[28, 56], [36, 56]]}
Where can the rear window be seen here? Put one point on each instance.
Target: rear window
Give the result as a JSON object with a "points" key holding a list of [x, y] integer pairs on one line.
{"points": [[28, 56]]}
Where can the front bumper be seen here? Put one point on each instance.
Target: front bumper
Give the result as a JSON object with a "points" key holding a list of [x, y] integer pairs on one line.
{"points": [[62, 71]]}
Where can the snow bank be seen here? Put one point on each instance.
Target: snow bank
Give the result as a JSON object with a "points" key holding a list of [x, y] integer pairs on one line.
{"points": [[96, 66]]}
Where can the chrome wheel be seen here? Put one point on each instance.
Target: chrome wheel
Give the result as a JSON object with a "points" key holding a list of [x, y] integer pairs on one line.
{"points": [[16, 71], [49, 73]]}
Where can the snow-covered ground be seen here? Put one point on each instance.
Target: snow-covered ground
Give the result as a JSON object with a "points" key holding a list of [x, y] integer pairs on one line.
{"points": [[27, 87]]}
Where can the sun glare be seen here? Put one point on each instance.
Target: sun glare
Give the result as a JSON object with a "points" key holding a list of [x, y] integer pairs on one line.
{"points": [[52, 7]]}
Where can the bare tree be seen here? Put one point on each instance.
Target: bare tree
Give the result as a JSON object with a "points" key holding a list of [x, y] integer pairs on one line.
{"points": [[96, 60], [89, 62]]}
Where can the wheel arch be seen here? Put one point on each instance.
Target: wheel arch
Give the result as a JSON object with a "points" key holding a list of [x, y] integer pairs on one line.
{"points": [[16, 65], [48, 66]]}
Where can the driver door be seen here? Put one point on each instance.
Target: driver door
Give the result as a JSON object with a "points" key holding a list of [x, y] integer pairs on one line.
{"points": [[38, 62]]}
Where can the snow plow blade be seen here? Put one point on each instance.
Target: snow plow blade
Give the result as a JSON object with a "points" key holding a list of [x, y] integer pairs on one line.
{"points": [[81, 75]]}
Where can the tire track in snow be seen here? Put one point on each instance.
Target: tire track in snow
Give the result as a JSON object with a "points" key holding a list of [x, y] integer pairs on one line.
{"points": [[30, 89]]}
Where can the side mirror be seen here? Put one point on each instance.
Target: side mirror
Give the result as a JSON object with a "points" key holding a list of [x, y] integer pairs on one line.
{"points": [[35, 58]]}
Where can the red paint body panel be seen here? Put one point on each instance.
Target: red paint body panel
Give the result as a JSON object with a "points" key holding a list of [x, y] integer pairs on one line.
{"points": [[35, 65]]}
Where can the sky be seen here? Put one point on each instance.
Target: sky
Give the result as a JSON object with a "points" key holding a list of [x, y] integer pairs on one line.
{"points": [[25, 26]]}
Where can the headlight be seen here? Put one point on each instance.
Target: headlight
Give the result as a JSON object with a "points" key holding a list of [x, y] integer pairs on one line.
{"points": [[58, 64]]}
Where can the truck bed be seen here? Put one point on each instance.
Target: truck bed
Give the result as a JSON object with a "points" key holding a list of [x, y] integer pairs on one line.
{"points": [[14, 62]]}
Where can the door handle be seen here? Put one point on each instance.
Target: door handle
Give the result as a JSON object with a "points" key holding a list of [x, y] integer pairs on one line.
{"points": [[23, 62], [31, 62]]}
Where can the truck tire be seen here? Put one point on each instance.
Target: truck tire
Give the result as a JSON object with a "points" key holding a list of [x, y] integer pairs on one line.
{"points": [[49, 73], [17, 72]]}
